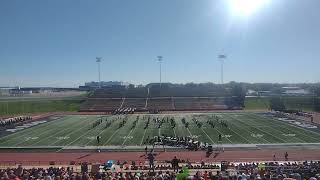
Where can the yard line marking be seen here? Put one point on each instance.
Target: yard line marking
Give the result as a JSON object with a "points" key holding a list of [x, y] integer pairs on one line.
{"points": [[68, 135], [111, 137], [224, 135], [250, 132], [30, 130], [208, 136], [255, 118], [264, 131], [238, 133], [101, 132], [96, 135], [174, 131], [284, 125], [125, 139], [241, 136], [143, 137], [53, 135], [81, 136], [189, 131], [39, 135]]}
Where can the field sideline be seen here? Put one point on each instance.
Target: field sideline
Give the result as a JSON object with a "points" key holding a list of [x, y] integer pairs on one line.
{"points": [[78, 130]]}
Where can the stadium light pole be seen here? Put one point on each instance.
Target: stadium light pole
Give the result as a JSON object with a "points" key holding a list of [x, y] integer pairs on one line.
{"points": [[222, 58], [160, 62], [98, 60]]}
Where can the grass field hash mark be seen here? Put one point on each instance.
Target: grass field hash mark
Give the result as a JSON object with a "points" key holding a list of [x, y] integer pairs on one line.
{"points": [[30, 132], [39, 135], [224, 135], [208, 136], [125, 139], [68, 135], [174, 131], [285, 126], [82, 136], [240, 136], [249, 132], [266, 132], [53, 135], [189, 131], [101, 132], [143, 137], [281, 132], [111, 137]]}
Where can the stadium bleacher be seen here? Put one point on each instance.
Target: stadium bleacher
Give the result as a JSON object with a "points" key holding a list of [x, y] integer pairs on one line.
{"points": [[162, 99], [124, 170], [139, 103]]}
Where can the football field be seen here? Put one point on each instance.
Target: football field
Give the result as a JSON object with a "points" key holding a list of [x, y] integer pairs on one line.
{"points": [[133, 130]]}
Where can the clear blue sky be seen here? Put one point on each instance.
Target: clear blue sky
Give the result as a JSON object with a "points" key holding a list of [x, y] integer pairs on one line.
{"points": [[54, 43]]}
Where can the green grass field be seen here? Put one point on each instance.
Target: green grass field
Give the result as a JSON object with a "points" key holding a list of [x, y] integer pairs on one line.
{"points": [[34, 105], [303, 103], [243, 128]]}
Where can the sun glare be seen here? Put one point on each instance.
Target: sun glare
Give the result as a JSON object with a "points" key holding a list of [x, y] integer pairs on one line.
{"points": [[246, 7]]}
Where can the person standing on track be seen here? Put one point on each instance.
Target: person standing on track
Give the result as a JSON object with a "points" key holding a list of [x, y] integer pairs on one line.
{"points": [[151, 160], [286, 156], [175, 164]]}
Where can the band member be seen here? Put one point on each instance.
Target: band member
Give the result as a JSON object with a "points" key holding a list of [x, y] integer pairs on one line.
{"points": [[98, 139]]}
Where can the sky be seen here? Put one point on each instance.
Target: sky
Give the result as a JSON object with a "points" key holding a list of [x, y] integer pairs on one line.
{"points": [[55, 43]]}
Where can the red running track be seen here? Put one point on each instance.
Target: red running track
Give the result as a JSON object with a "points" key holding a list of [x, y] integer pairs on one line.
{"points": [[232, 156]]}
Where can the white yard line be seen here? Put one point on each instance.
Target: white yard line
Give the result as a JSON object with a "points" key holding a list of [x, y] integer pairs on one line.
{"points": [[284, 124], [224, 135], [250, 132], [111, 137], [31, 130], [241, 136], [280, 131], [53, 135], [68, 135], [189, 131], [96, 135], [81, 136], [39, 135], [124, 141], [143, 137], [208, 136], [264, 131], [174, 131]]}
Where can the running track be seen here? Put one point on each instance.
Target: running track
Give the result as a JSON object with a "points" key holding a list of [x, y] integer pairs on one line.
{"points": [[232, 156]]}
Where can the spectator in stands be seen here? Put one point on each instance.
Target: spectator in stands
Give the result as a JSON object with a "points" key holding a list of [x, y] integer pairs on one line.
{"points": [[175, 164]]}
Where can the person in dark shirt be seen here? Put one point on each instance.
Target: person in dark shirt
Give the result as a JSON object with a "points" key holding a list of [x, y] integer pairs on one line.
{"points": [[175, 164], [98, 139], [286, 156], [151, 160]]}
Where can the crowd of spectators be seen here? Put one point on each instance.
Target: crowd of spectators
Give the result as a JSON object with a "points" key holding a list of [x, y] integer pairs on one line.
{"points": [[271, 170], [13, 121]]}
